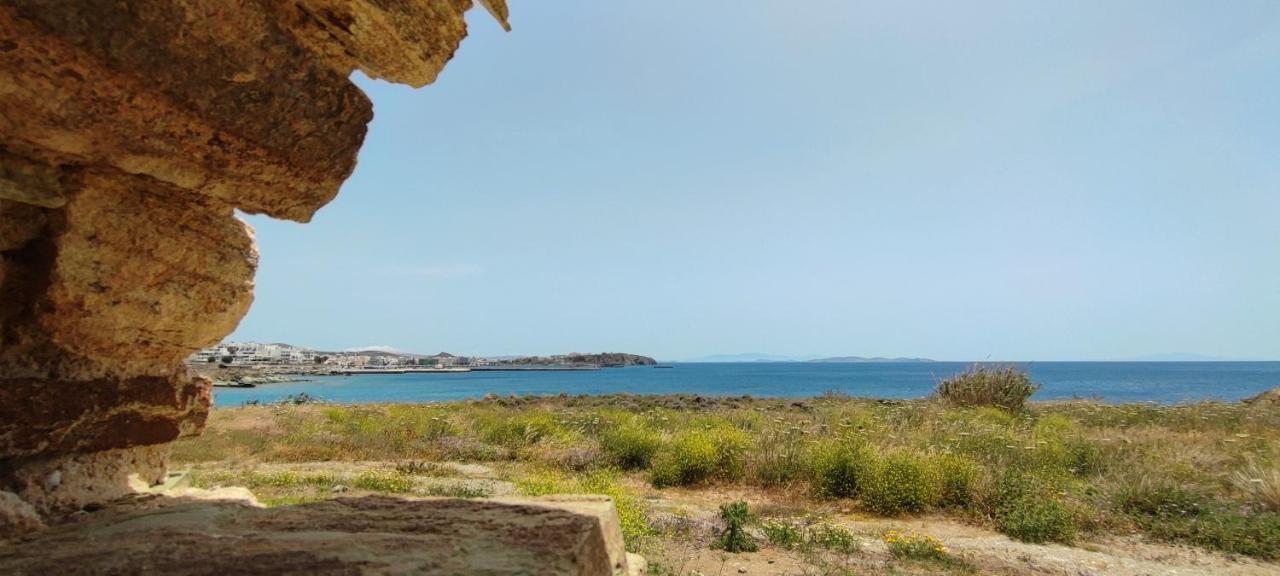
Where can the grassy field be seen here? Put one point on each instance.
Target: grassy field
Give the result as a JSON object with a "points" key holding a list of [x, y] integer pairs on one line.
{"points": [[1205, 474]]}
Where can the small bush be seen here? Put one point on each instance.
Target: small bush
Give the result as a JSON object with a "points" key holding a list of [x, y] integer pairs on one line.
{"points": [[695, 457], [518, 430], [734, 538], [1036, 520], [806, 537], [633, 514], [957, 476], [901, 482], [839, 469], [911, 545], [274, 479], [778, 457], [542, 484], [1008, 387], [1256, 535], [830, 537], [688, 459], [630, 445], [785, 535], [384, 481], [1029, 509], [1147, 497]]}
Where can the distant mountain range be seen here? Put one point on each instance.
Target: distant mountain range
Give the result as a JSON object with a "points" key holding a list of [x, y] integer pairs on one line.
{"points": [[1181, 357], [864, 359], [749, 357], [760, 357]]}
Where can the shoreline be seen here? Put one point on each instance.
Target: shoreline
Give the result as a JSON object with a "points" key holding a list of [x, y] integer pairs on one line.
{"points": [[1266, 399], [1161, 385]]}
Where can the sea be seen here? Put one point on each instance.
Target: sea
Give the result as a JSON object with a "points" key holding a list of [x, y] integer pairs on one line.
{"points": [[1160, 382]]}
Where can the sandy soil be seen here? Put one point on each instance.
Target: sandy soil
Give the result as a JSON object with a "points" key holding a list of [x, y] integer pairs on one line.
{"points": [[986, 551]]}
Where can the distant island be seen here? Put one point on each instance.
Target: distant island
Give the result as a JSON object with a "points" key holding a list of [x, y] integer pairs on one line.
{"points": [[870, 360]]}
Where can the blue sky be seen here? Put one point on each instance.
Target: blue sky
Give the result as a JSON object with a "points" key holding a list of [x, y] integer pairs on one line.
{"points": [[979, 180]]}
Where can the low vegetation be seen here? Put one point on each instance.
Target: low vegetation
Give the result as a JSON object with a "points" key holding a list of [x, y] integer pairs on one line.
{"points": [[1205, 474], [734, 537], [1005, 386]]}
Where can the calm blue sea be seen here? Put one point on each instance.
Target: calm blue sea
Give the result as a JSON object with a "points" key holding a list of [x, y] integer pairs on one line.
{"points": [[1164, 382]]}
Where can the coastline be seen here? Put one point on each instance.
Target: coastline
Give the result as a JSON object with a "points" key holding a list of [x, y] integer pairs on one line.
{"points": [[1115, 383]]}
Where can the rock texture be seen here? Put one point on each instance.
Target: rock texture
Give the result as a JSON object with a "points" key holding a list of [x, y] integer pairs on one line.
{"points": [[372, 535], [1268, 399], [130, 132]]}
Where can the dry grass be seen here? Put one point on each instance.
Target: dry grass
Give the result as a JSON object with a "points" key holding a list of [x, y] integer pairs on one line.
{"points": [[1261, 484], [1050, 471]]}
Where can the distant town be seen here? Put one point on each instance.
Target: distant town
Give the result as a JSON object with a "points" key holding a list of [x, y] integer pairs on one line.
{"points": [[278, 355]]}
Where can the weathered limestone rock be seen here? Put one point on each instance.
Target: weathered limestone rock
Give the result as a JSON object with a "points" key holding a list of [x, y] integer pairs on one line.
{"points": [[17, 516], [1268, 399], [371, 535], [69, 482], [130, 132]]}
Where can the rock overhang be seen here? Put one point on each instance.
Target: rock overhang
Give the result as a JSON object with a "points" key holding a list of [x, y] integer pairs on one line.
{"points": [[130, 132]]}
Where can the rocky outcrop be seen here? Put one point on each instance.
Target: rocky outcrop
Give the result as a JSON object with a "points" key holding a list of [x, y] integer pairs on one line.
{"points": [[130, 132], [371, 535], [1268, 399]]}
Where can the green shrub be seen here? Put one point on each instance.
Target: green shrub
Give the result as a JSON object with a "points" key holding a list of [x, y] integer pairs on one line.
{"points": [[1036, 519], [957, 476], [790, 535], [912, 545], [840, 468], [517, 430], [901, 482], [688, 459], [1175, 513], [778, 457], [835, 538], [384, 481], [1008, 387], [1256, 535], [630, 445], [695, 457], [1029, 509], [734, 538], [1147, 497], [785, 535], [633, 515], [542, 484]]}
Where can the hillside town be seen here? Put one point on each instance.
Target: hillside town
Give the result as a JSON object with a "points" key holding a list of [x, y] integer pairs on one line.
{"points": [[250, 354]]}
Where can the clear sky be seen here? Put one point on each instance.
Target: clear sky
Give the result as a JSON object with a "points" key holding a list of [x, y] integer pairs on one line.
{"points": [[959, 180]]}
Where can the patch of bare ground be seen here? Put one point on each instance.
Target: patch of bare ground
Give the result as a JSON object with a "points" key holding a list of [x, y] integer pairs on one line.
{"points": [[976, 550]]}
